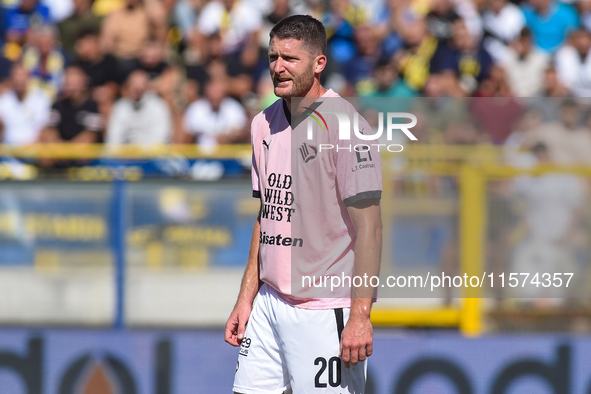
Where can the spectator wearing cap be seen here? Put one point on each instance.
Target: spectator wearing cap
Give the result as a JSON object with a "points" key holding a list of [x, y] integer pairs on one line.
{"points": [[24, 112], [82, 19], [573, 63], [550, 22], [502, 23], [525, 65], [216, 118], [140, 116], [74, 117], [464, 57]]}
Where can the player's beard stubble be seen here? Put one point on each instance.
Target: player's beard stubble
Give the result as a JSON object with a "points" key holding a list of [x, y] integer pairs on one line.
{"points": [[301, 84]]}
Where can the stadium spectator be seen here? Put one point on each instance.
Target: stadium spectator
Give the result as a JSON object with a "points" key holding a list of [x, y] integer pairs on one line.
{"points": [[74, 117], [414, 59], [185, 14], [102, 70], [216, 118], [502, 24], [552, 85], [340, 22], [495, 84], [463, 57], [582, 140], [525, 66], [383, 23], [44, 60], [550, 21], [210, 62], [553, 205], [238, 25], [125, 32], [497, 117], [19, 20], [439, 106], [358, 70], [440, 19], [140, 116], [5, 67], [573, 64], [386, 82], [165, 80], [281, 9], [70, 28], [152, 60], [24, 112], [557, 135]]}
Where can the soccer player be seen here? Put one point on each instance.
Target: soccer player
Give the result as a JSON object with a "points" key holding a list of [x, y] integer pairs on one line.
{"points": [[320, 215]]}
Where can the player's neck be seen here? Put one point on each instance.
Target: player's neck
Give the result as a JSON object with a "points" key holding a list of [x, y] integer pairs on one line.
{"points": [[315, 91]]}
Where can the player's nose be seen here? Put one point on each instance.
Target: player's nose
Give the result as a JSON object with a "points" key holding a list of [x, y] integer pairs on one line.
{"points": [[278, 66]]}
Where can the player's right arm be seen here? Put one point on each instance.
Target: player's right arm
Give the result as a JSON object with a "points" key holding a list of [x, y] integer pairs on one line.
{"points": [[249, 288]]}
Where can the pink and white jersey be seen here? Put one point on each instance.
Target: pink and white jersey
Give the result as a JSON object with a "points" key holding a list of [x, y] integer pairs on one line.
{"points": [[305, 187]]}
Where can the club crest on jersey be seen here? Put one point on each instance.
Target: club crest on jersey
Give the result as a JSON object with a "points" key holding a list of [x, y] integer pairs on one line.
{"points": [[308, 152]]}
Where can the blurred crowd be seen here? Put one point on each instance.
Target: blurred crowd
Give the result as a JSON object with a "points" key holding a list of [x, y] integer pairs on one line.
{"points": [[196, 71]]}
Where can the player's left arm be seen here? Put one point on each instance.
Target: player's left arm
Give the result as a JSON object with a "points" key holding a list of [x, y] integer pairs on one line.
{"points": [[357, 337]]}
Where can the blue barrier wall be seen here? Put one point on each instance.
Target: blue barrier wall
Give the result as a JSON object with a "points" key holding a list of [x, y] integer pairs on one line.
{"points": [[60, 361]]}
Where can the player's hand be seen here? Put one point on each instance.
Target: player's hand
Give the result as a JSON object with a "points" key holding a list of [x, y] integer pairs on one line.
{"points": [[356, 340], [236, 324]]}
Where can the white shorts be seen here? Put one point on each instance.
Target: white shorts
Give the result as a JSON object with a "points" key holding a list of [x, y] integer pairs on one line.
{"points": [[289, 349]]}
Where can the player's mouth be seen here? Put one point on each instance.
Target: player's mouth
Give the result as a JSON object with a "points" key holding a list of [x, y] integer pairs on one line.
{"points": [[281, 83]]}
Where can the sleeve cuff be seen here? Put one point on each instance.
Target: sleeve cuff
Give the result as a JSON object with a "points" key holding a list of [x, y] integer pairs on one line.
{"points": [[256, 194], [362, 196]]}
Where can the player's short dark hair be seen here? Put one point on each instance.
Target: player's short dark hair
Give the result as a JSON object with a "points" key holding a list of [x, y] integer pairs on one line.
{"points": [[305, 28]]}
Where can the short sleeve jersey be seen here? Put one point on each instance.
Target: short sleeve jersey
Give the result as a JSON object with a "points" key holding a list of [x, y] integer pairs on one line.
{"points": [[305, 188]]}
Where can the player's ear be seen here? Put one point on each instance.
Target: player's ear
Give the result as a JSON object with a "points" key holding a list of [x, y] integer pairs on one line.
{"points": [[319, 63]]}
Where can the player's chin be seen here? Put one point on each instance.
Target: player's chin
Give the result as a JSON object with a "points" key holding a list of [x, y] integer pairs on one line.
{"points": [[283, 92]]}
